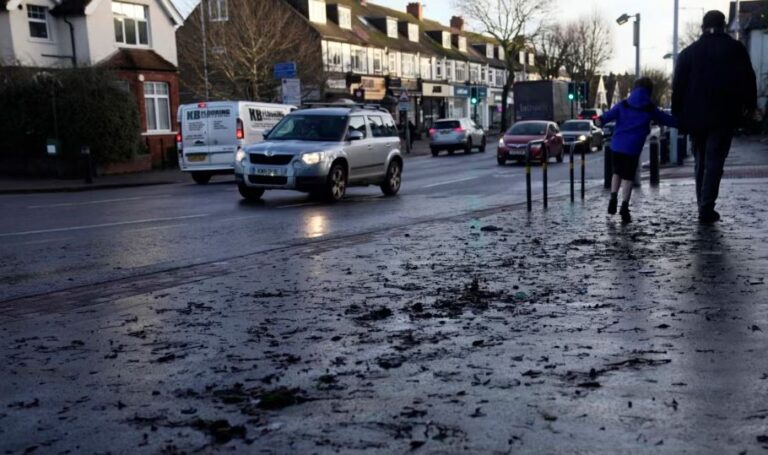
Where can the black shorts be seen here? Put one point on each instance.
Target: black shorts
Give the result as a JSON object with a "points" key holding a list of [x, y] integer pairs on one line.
{"points": [[625, 165]]}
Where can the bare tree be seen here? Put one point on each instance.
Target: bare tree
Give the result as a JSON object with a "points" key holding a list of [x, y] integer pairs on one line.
{"points": [[691, 33], [511, 23], [592, 47], [243, 49], [553, 46]]}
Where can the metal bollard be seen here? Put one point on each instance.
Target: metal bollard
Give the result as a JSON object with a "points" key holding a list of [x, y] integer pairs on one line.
{"points": [[544, 153], [654, 149], [682, 146], [570, 152], [85, 152], [583, 168], [607, 167], [664, 150], [528, 176]]}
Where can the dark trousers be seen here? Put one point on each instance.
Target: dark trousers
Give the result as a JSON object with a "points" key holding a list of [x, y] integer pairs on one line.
{"points": [[710, 149]]}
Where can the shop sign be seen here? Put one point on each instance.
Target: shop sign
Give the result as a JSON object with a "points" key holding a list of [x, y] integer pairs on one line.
{"points": [[374, 87], [336, 84], [395, 82], [436, 90], [411, 85], [461, 90]]}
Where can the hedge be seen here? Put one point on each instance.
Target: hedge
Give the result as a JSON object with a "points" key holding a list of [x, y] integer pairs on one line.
{"points": [[90, 106]]}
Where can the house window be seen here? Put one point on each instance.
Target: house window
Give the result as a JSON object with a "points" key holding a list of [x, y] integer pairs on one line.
{"points": [[462, 44], [393, 63], [407, 65], [461, 71], [157, 106], [483, 77], [439, 69], [218, 10], [333, 57], [446, 40], [131, 25], [413, 33], [449, 64], [359, 60], [345, 18], [489, 50], [377, 67], [391, 28], [501, 53], [38, 21], [317, 11], [426, 68]]}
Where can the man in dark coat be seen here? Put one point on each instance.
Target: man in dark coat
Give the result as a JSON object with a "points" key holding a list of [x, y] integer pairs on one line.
{"points": [[714, 88]]}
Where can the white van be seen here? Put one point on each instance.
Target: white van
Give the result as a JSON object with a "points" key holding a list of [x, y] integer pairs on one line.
{"points": [[211, 133]]}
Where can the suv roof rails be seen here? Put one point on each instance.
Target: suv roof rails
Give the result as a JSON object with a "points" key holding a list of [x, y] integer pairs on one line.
{"points": [[347, 103]]}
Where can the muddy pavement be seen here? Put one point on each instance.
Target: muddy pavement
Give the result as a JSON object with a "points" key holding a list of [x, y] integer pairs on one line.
{"points": [[558, 332]]}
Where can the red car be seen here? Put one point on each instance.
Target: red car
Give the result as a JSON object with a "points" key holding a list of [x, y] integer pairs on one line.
{"points": [[515, 141]]}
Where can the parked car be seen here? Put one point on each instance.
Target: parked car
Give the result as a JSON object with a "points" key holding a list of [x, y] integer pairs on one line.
{"points": [[514, 143], [322, 151], [456, 134], [590, 114], [211, 133], [583, 133]]}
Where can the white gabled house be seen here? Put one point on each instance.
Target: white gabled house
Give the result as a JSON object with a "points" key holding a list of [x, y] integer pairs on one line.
{"points": [[135, 38]]}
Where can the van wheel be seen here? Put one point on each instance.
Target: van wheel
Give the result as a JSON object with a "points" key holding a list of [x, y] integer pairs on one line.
{"points": [[336, 185], [201, 178], [250, 194], [394, 177]]}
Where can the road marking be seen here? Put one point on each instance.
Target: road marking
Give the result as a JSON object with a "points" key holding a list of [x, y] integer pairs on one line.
{"points": [[451, 181], [39, 242], [101, 201], [302, 204], [96, 226]]}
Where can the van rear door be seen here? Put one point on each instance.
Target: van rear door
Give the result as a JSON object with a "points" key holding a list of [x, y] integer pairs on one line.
{"points": [[194, 137], [222, 134]]}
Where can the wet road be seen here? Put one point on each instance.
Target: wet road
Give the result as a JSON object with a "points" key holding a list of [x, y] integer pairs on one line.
{"points": [[51, 242]]}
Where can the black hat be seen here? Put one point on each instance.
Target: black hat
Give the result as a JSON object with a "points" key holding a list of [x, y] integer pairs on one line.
{"points": [[713, 19]]}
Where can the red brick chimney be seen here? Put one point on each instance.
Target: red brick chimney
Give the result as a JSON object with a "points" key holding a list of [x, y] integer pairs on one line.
{"points": [[416, 10], [457, 22]]}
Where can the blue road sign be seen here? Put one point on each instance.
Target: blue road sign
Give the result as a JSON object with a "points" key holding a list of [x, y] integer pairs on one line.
{"points": [[285, 70]]}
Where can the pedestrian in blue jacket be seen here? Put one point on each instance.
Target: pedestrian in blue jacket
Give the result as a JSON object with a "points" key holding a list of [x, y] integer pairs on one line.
{"points": [[633, 118]]}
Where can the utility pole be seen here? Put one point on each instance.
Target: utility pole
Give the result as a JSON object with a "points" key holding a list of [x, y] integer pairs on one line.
{"points": [[205, 48], [637, 46], [675, 49], [737, 22]]}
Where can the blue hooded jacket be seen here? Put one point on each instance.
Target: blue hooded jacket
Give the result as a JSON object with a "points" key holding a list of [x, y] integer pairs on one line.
{"points": [[633, 118]]}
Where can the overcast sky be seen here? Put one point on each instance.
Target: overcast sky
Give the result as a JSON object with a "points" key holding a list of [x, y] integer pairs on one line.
{"points": [[656, 23]]}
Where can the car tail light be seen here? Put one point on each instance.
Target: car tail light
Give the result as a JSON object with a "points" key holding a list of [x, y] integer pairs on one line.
{"points": [[240, 133], [178, 134], [594, 117], [459, 130], [432, 131]]}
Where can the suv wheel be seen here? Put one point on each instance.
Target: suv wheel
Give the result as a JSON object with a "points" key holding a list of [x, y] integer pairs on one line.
{"points": [[468, 148], [336, 185], [435, 152], [501, 161], [250, 194], [394, 177], [201, 178], [482, 145]]}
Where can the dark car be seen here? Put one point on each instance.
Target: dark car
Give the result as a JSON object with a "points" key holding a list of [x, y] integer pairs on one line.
{"points": [[583, 133], [514, 143], [590, 114]]}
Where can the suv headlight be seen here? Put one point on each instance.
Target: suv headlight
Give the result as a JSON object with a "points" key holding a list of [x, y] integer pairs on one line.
{"points": [[312, 158], [240, 156], [501, 142], [582, 138]]}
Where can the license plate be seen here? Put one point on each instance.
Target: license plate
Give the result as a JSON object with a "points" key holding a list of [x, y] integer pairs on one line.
{"points": [[196, 158], [269, 171], [445, 132]]}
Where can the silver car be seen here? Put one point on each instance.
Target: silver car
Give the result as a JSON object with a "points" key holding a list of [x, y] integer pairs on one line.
{"points": [[322, 151], [456, 134]]}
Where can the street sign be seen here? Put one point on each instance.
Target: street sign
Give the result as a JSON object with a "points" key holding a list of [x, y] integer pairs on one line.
{"points": [[482, 92], [404, 97], [285, 70], [404, 106], [291, 91]]}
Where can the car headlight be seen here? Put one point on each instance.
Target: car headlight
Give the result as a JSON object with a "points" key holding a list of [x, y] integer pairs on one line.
{"points": [[240, 156], [582, 138], [501, 143], [311, 158]]}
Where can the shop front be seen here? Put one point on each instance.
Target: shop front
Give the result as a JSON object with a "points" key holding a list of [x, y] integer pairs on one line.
{"points": [[369, 88], [458, 105], [335, 88], [435, 101]]}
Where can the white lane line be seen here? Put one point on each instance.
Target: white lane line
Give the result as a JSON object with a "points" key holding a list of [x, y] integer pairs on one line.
{"points": [[96, 226], [451, 181], [100, 201], [40, 242]]}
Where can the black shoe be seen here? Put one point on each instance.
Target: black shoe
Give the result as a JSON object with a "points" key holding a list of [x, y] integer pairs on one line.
{"points": [[612, 206], [626, 217], [709, 217]]}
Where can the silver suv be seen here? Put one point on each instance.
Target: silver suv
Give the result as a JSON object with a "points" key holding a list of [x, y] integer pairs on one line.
{"points": [[321, 151]]}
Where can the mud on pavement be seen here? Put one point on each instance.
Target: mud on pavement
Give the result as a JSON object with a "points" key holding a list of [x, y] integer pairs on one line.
{"points": [[556, 332]]}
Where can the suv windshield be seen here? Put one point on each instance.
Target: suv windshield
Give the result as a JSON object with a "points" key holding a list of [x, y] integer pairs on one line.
{"points": [[576, 126], [310, 128], [528, 129]]}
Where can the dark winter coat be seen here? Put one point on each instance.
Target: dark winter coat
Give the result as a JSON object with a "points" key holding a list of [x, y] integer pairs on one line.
{"points": [[633, 118], [714, 84]]}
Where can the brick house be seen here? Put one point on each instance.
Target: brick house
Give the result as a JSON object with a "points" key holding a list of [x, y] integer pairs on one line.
{"points": [[136, 39]]}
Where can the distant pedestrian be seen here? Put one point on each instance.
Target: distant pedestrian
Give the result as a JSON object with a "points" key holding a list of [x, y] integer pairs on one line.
{"points": [[633, 118], [714, 88], [411, 132]]}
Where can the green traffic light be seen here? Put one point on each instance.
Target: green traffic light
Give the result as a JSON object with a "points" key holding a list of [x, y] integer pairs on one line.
{"points": [[570, 96], [474, 100]]}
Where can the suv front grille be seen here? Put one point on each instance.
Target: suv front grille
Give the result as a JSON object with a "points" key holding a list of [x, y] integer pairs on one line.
{"points": [[280, 160], [267, 179]]}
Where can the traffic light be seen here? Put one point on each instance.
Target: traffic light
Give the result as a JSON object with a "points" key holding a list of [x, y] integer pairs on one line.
{"points": [[571, 91], [473, 95]]}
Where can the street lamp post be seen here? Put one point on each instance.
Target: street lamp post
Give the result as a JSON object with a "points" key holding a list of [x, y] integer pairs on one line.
{"points": [[675, 51], [623, 19]]}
